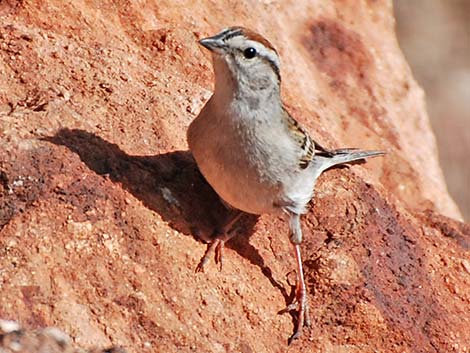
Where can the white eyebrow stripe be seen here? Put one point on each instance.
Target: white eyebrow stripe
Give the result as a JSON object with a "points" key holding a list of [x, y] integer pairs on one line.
{"points": [[265, 53]]}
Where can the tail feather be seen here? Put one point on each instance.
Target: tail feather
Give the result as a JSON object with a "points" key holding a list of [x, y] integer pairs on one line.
{"points": [[342, 156]]}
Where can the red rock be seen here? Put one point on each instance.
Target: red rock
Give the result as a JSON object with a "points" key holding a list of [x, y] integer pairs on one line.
{"points": [[100, 203]]}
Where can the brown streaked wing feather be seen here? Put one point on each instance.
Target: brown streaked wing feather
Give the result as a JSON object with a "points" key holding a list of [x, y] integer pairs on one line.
{"points": [[303, 140]]}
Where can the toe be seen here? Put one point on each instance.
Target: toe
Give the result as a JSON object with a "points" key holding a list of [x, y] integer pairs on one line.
{"points": [[295, 336], [292, 306], [201, 265]]}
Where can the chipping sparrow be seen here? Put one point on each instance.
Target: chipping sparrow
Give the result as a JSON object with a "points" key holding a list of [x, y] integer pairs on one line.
{"points": [[251, 151]]}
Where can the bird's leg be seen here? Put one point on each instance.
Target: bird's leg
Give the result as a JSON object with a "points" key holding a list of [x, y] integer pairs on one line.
{"points": [[221, 235], [300, 301]]}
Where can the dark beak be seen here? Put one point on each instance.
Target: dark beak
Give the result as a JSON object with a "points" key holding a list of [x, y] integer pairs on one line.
{"points": [[212, 43]]}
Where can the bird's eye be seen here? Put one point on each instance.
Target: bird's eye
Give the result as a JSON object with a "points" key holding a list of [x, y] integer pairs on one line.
{"points": [[249, 53]]}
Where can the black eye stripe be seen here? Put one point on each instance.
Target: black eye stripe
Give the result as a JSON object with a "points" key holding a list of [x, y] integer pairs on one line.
{"points": [[274, 67], [271, 63]]}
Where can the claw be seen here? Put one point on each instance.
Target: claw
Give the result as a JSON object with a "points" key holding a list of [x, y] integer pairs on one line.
{"points": [[292, 338], [301, 305], [295, 306], [201, 265], [216, 246], [292, 306]]}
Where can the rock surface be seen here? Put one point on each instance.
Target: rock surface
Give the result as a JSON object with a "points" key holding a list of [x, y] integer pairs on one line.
{"points": [[101, 204], [14, 338]]}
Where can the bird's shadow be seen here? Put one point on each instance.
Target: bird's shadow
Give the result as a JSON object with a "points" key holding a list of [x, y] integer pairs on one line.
{"points": [[169, 184]]}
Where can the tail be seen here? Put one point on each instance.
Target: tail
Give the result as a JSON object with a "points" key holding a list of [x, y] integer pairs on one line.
{"points": [[326, 160]]}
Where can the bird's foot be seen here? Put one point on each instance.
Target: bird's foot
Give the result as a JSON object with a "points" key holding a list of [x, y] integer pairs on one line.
{"points": [[216, 247], [300, 304]]}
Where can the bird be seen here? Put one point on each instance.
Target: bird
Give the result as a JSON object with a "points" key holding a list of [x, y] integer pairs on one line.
{"points": [[252, 152]]}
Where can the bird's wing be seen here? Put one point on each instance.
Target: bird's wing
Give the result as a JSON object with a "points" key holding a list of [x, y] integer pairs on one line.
{"points": [[306, 144]]}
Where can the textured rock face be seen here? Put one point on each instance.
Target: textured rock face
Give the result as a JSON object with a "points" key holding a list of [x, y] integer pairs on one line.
{"points": [[100, 203], [14, 338]]}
